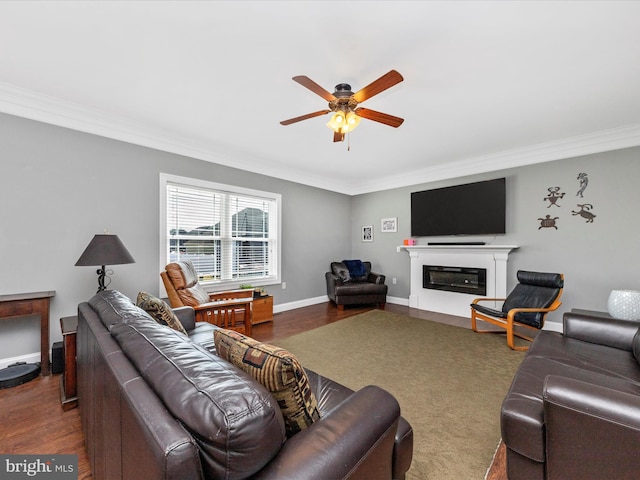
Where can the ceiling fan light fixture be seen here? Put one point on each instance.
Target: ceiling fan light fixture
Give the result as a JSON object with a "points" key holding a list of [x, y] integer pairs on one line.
{"points": [[344, 103], [337, 122], [353, 121]]}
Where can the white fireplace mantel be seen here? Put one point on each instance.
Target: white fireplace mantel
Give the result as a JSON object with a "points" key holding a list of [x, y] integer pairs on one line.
{"points": [[493, 258]]}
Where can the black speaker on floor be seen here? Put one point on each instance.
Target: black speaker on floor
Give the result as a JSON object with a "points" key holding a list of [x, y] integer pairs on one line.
{"points": [[57, 358]]}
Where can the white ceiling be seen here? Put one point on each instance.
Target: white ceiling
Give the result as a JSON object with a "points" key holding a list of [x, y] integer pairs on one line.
{"points": [[487, 85]]}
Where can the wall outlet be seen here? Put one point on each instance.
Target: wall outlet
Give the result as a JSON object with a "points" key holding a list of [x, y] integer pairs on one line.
{"points": [[394, 280], [284, 285]]}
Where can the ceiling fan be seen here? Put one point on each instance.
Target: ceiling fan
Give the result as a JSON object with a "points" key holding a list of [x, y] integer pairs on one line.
{"points": [[344, 103]]}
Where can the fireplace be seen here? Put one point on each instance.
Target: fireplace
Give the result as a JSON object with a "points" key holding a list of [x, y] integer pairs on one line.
{"points": [[455, 279], [492, 258]]}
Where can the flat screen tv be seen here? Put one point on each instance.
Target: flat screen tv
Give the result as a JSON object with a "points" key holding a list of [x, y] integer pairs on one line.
{"points": [[470, 209]]}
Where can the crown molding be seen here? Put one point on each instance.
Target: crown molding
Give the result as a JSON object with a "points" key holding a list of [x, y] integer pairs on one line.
{"points": [[596, 142], [47, 109], [35, 106]]}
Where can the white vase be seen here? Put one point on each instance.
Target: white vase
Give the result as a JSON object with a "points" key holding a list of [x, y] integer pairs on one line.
{"points": [[624, 304]]}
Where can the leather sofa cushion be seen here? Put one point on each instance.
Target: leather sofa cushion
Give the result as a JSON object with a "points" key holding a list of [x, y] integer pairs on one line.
{"points": [[363, 288], [202, 335], [113, 307], [635, 344], [585, 355], [160, 311], [235, 420], [278, 370]]}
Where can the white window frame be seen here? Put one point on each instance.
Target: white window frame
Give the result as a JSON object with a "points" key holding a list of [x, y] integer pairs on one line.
{"points": [[275, 240]]}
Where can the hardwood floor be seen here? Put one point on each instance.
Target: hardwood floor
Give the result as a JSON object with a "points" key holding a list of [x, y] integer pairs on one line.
{"points": [[34, 422]]}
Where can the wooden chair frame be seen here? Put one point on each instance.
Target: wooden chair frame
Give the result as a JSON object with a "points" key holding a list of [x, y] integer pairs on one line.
{"points": [[509, 323], [232, 314], [231, 309]]}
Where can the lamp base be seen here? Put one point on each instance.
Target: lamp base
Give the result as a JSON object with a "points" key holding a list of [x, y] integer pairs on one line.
{"points": [[103, 276]]}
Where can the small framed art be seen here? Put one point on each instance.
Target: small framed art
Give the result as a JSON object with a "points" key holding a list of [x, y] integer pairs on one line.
{"points": [[389, 224], [367, 233]]}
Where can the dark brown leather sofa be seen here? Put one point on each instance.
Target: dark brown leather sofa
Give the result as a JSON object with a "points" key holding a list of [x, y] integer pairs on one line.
{"points": [[573, 410], [156, 404], [346, 289]]}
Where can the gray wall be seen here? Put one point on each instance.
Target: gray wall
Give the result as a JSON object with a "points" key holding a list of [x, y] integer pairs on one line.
{"points": [[595, 257], [59, 187]]}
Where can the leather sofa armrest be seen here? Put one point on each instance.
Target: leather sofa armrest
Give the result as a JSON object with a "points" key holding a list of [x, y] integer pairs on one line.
{"points": [[376, 278], [608, 331], [332, 282], [333, 278], [355, 440], [187, 317], [591, 430]]}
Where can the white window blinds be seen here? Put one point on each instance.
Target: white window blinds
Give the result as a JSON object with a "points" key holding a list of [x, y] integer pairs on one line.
{"points": [[230, 234]]}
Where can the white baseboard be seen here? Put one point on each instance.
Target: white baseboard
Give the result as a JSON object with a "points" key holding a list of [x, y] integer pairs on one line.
{"points": [[28, 358], [307, 302], [398, 301], [553, 326]]}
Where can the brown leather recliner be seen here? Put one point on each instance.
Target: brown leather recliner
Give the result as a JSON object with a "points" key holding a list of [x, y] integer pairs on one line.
{"points": [[358, 286], [231, 309]]}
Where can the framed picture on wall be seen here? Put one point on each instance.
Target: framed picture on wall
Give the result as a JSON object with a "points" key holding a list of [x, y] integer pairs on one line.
{"points": [[389, 224], [367, 233]]}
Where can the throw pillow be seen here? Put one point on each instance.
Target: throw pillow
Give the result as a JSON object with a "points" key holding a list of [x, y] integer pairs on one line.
{"points": [[357, 270], [341, 271], [160, 311], [276, 369]]}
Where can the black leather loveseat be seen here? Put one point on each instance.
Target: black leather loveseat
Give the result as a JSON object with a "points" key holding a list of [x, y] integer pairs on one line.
{"points": [[159, 404], [573, 410]]}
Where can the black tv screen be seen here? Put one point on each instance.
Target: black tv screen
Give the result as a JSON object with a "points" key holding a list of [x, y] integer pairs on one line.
{"points": [[471, 209]]}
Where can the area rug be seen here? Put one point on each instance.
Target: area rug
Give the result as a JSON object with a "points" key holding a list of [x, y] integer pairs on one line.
{"points": [[449, 381]]}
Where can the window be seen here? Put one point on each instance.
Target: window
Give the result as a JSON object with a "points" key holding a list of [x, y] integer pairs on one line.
{"points": [[230, 234]]}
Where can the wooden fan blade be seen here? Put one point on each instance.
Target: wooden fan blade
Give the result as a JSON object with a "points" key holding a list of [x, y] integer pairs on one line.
{"points": [[379, 117], [304, 117], [380, 85], [314, 87], [338, 137]]}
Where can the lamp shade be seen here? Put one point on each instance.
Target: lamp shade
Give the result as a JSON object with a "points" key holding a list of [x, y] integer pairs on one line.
{"points": [[104, 249]]}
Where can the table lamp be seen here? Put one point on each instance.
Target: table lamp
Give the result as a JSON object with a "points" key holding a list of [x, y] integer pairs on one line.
{"points": [[104, 249]]}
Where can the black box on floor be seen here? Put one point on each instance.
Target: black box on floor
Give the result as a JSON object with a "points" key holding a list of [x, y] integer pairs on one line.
{"points": [[57, 358]]}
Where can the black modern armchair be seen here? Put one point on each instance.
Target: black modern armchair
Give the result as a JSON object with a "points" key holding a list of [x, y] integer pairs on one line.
{"points": [[533, 297]]}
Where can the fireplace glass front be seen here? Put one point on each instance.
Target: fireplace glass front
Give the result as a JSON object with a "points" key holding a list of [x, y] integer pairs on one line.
{"points": [[455, 279]]}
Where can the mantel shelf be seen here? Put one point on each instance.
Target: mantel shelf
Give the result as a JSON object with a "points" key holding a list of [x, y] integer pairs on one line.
{"points": [[458, 248]]}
